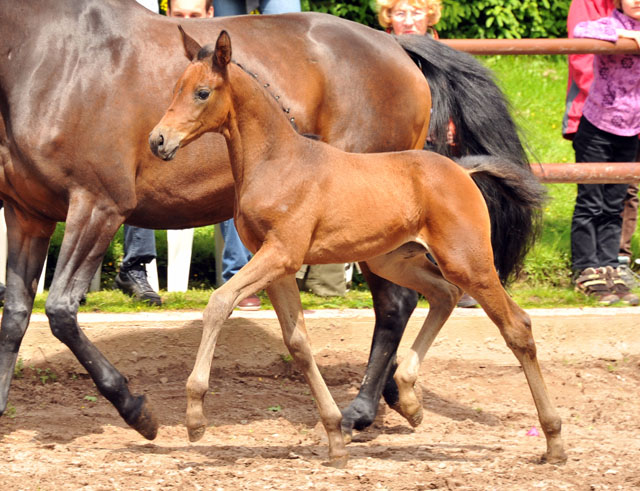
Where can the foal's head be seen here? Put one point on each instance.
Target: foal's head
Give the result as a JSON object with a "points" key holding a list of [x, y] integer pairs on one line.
{"points": [[201, 98]]}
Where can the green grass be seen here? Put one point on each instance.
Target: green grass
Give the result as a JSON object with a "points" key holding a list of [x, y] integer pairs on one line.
{"points": [[536, 87], [525, 295]]}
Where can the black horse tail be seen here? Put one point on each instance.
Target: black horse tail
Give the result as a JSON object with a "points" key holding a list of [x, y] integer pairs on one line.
{"points": [[514, 197], [464, 91]]}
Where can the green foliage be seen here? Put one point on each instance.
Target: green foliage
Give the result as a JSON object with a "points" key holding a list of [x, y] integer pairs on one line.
{"points": [[464, 19], [286, 358], [360, 11], [18, 370], [503, 19], [46, 375]]}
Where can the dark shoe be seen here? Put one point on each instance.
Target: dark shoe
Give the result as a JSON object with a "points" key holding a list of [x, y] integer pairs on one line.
{"points": [[134, 282], [252, 302], [620, 287], [2, 290], [594, 282], [625, 272], [467, 301]]}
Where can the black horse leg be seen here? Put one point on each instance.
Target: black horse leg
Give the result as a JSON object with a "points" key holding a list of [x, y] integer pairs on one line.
{"points": [[26, 256], [393, 306], [87, 236]]}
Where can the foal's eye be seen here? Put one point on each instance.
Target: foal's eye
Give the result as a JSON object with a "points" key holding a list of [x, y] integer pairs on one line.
{"points": [[202, 94]]}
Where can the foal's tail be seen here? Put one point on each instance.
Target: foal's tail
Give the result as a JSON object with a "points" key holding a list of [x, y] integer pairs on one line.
{"points": [[514, 197], [464, 91]]}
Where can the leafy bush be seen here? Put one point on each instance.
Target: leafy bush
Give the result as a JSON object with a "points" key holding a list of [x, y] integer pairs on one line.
{"points": [[464, 19], [361, 11], [503, 19]]}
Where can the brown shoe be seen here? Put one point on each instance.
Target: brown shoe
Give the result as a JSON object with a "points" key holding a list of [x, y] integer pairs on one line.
{"points": [[620, 288], [252, 302], [594, 282]]}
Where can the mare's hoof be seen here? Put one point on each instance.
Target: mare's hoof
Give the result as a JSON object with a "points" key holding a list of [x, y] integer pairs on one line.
{"points": [[196, 433], [144, 422]]}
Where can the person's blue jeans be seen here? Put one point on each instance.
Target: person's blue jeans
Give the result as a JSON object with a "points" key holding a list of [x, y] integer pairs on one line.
{"points": [[139, 246], [234, 254], [223, 8]]}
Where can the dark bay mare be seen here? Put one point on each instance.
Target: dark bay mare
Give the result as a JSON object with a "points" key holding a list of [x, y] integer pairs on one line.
{"points": [[290, 210], [82, 84]]}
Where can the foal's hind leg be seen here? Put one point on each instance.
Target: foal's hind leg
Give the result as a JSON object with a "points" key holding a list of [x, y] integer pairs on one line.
{"points": [[26, 255], [285, 297], [420, 274], [515, 327], [473, 271]]}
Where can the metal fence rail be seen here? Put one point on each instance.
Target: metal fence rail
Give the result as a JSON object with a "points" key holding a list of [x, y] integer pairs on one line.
{"points": [[561, 46], [609, 172]]}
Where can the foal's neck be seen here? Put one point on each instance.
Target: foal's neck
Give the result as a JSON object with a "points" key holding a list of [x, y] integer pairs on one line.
{"points": [[258, 128]]}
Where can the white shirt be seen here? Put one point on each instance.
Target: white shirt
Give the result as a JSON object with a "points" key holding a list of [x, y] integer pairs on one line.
{"points": [[150, 4]]}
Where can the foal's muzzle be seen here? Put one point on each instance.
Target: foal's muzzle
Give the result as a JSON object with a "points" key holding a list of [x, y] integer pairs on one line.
{"points": [[164, 143]]}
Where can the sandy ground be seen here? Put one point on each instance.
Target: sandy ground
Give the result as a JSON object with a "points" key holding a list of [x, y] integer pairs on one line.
{"points": [[58, 433]]}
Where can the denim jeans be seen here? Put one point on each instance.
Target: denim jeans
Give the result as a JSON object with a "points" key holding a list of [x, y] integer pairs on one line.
{"points": [[139, 246], [222, 8], [234, 254]]}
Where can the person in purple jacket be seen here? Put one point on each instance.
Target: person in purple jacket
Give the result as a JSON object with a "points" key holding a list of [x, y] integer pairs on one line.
{"points": [[608, 132]]}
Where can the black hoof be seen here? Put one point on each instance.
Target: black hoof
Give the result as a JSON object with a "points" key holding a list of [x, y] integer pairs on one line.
{"points": [[142, 419], [357, 416]]}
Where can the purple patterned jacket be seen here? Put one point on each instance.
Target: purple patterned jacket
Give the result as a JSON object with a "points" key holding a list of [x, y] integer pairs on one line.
{"points": [[613, 104]]}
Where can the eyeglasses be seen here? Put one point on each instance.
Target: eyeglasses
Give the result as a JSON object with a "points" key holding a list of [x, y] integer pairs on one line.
{"points": [[401, 15]]}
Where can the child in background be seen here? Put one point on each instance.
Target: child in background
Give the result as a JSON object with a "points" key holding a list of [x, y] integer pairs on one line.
{"points": [[608, 132]]}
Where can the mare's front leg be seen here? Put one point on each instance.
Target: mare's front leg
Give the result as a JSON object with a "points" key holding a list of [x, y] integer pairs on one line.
{"points": [[393, 306], [28, 243], [89, 229], [268, 264], [285, 297]]}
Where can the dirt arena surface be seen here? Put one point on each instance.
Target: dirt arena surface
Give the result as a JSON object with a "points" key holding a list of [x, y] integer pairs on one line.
{"points": [[59, 434]]}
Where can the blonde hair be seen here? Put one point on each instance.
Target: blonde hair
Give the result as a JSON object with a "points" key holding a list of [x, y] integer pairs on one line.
{"points": [[432, 7]]}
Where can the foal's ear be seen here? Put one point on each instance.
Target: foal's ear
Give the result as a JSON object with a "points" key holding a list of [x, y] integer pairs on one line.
{"points": [[222, 56], [191, 46]]}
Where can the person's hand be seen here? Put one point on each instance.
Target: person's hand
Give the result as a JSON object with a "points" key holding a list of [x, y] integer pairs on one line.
{"points": [[626, 33]]}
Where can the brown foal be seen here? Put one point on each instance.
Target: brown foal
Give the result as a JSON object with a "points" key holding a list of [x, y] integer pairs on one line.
{"points": [[292, 208]]}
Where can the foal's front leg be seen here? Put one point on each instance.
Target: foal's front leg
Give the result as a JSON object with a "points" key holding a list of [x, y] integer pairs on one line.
{"points": [[262, 269], [285, 297]]}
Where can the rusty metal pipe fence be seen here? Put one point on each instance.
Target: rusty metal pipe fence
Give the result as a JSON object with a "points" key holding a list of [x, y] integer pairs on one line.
{"points": [[592, 172]]}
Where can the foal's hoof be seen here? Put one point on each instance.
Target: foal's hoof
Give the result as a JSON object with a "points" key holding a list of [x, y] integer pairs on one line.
{"points": [[413, 419], [144, 421], [416, 418], [347, 437], [196, 433], [555, 458], [338, 462]]}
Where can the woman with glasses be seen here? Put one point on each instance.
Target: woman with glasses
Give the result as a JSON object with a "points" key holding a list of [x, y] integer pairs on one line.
{"points": [[409, 16], [418, 17]]}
